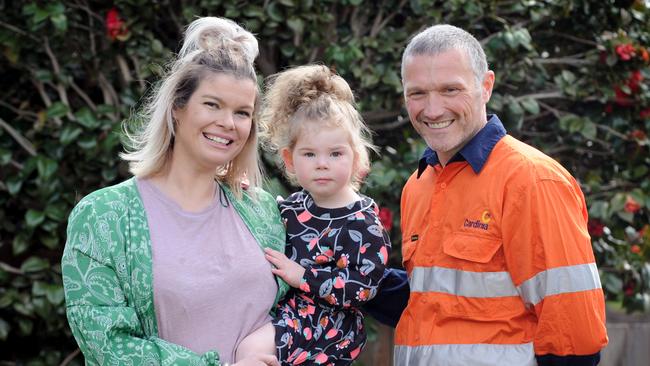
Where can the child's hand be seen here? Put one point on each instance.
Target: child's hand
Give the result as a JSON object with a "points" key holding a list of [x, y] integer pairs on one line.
{"points": [[290, 271]]}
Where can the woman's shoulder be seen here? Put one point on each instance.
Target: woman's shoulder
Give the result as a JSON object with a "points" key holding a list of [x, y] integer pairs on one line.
{"points": [[116, 197]]}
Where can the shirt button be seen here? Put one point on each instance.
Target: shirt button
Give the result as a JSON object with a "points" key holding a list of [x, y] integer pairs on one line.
{"points": [[443, 185]]}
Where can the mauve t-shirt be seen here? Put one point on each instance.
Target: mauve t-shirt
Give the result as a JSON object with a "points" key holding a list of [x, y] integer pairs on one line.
{"points": [[212, 285]]}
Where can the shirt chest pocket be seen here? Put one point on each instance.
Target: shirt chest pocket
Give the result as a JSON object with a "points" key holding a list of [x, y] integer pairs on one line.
{"points": [[475, 251]]}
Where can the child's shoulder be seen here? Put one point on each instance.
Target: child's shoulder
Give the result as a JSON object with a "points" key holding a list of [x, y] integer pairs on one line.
{"points": [[296, 199]]}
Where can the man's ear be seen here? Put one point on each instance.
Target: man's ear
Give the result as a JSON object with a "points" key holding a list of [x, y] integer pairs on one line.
{"points": [[287, 157], [487, 85]]}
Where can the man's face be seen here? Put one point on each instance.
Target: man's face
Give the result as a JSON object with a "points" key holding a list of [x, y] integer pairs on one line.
{"points": [[443, 100]]}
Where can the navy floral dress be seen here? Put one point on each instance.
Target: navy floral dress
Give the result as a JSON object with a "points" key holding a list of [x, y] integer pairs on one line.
{"points": [[344, 251]]}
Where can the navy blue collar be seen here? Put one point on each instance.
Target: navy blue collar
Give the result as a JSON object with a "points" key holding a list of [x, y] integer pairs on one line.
{"points": [[475, 152]]}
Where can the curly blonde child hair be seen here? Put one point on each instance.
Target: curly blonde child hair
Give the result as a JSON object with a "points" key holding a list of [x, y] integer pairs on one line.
{"points": [[312, 96]]}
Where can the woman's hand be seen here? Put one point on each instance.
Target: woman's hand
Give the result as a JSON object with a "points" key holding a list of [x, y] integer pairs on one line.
{"points": [[258, 360], [290, 271]]}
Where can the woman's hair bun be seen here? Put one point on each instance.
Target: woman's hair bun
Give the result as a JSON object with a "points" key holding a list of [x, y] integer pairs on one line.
{"points": [[212, 33]]}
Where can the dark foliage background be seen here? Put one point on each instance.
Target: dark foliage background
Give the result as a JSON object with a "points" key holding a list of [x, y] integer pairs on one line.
{"points": [[572, 79]]}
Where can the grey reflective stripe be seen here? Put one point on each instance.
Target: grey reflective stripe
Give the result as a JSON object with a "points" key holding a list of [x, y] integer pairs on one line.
{"points": [[466, 354], [582, 277], [462, 283]]}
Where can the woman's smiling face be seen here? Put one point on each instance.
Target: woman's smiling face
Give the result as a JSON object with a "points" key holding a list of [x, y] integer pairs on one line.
{"points": [[214, 125]]}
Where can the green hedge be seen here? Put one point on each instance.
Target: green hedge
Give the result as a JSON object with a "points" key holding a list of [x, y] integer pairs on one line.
{"points": [[572, 79]]}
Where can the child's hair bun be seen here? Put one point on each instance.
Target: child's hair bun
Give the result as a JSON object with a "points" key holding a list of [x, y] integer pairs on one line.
{"points": [[315, 81]]}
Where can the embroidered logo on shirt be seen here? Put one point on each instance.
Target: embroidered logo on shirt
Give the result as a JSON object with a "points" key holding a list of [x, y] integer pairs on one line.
{"points": [[481, 223]]}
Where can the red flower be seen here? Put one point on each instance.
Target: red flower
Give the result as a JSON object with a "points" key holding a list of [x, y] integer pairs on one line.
{"points": [[625, 51], [595, 228], [628, 288], [115, 26], [638, 134], [609, 108], [645, 113], [633, 82], [386, 218], [644, 54], [622, 98], [635, 249], [631, 205]]}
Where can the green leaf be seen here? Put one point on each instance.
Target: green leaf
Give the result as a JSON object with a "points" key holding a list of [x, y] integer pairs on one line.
{"points": [[57, 109], [530, 105], [69, 133], [5, 156], [60, 22], [296, 24], [50, 241], [20, 244], [34, 264], [57, 211], [589, 129], [54, 294], [568, 76], [87, 142], [4, 330], [86, 118], [25, 326], [46, 167], [274, 12], [34, 218], [287, 2]]}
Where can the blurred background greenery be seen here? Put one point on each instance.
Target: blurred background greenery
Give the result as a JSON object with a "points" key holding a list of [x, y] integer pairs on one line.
{"points": [[573, 79]]}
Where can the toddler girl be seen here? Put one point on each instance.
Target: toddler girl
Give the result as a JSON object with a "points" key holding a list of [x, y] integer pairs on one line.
{"points": [[336, 247]]}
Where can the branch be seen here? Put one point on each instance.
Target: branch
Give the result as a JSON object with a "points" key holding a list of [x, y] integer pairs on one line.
{"points": [[375, 30], [46, 98], [7, 268], [562, 61], [542, 95], [17, 111], [20, 139], [83, 95], [400, 121], [63, 94], [70, 357], [17, 30]]}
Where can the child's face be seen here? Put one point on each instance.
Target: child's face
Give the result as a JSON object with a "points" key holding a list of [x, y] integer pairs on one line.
{"points": [[322, 161]]}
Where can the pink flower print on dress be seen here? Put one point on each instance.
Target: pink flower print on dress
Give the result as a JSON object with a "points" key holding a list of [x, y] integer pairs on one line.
{"points": [[304, 287], [304, 216], [343, 261], [307, 333], [308, 310], [331, 333], [383, 255], [355, 353], [321, 358], [339, 282], [363, 294], [342, 344], [359, 215]]}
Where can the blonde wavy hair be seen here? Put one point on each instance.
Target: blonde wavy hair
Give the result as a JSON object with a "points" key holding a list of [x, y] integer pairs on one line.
{"points": [[211, 45], [316, 94]]}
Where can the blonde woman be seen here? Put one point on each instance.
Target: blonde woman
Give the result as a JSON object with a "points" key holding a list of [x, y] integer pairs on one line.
{"points": [[168, 267]]}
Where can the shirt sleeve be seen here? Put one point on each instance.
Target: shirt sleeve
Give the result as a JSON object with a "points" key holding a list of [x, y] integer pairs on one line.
{"points": [[392, 297], [351, 277], [105, 325], [550, 259]]}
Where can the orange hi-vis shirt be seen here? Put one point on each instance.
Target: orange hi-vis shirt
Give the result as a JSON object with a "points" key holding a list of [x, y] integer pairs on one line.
{"points": [[500, 263]]}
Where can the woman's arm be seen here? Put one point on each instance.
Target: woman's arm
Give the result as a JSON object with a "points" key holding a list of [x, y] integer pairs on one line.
{"points": [[98, 277]]}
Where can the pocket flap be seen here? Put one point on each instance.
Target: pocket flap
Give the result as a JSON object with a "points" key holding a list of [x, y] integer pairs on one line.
{"points": [[471, 248]]}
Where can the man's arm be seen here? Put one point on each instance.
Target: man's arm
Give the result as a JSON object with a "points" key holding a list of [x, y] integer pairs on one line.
{"points": [[391, 299]]}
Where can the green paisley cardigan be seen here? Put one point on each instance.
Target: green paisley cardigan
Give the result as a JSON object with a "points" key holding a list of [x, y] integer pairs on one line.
{"points": [[107, 276]]}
